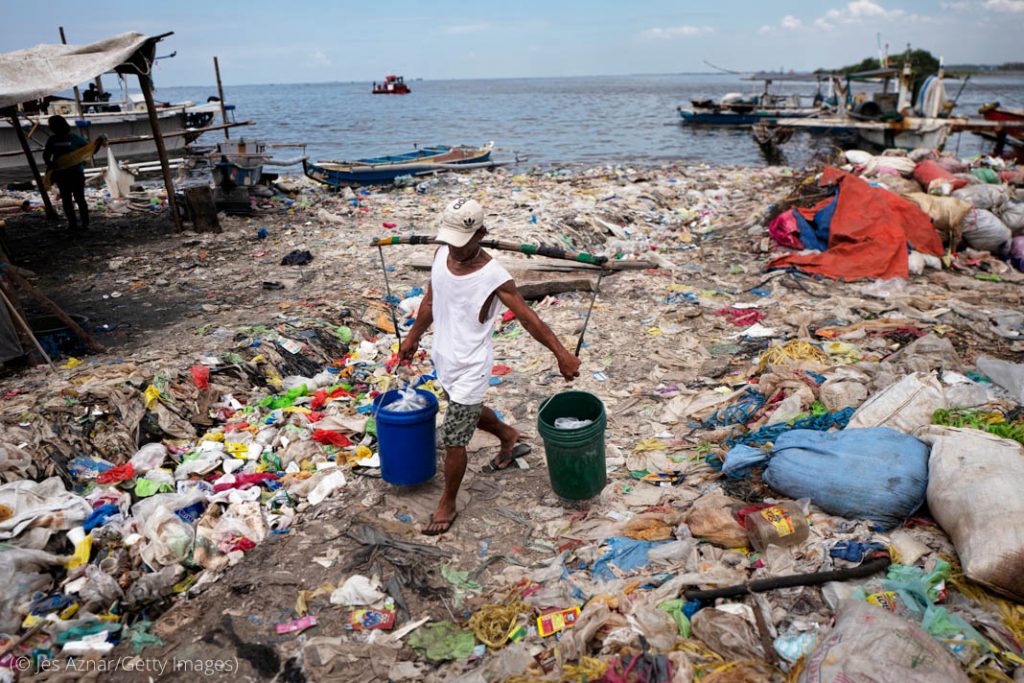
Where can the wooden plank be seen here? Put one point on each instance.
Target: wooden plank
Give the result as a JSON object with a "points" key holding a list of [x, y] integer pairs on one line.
{"points": [[533, 291]]}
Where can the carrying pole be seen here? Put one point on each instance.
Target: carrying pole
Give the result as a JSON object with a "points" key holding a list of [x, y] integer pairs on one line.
{"points": [[51, 214], [597, 288], [220, 94], [391, 302], [147, 92]]}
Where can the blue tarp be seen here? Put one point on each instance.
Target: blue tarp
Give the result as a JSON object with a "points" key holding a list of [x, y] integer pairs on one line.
{"points": [[625, 553], [877, 473], [814, 233]]}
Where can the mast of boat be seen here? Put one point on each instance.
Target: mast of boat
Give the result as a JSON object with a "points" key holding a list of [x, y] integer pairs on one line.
{"points": [[78, 96], [906, 90]]}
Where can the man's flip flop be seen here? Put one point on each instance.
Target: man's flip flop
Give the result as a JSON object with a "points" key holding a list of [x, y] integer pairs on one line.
{"points": [[438, 532], [518, 451]]}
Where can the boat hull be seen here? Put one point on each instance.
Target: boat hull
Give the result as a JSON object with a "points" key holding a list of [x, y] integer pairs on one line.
{"points": [[697, 117], [930, 138], [997, 113], [384, 170], [113, 125]]}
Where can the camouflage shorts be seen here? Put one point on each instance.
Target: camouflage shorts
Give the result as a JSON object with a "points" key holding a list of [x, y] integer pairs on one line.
{"points": [[459, 423]]}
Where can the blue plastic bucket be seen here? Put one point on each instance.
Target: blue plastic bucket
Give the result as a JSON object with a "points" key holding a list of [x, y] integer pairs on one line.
{"points": [[405, 441]]}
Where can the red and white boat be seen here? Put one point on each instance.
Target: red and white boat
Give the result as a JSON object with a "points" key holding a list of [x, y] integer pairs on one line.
{"points": [[993, 111], [392, 85]]}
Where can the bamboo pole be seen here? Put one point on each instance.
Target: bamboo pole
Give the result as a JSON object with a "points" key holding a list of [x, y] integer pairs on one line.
{"points": [[529, 249], [51, 214], [28, 330], [78, 97], [147, 92], [220, 94], [48, 303]]}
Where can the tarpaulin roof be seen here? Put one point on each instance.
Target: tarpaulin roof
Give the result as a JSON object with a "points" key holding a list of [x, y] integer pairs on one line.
{"points": [[43, 70]]}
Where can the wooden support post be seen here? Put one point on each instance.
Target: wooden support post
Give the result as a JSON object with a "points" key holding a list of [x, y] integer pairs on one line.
{"points": [[220, 94], [202, 209], [29, 289], [147, 92], [51, 214]]}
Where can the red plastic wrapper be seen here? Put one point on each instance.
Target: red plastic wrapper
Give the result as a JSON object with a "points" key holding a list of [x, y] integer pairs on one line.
{"points": [[244, 481], [201, 376], [500, 370], [115, 475], [326, 436], [241, 543], [319, 399]]}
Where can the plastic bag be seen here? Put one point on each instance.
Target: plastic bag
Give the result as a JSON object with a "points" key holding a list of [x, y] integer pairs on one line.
{"points": [[947, 213], [571, 423], [149, 457], [408, 400], [119, 181], [982, 230], [155, 585], [729, 635], [988, 197], [1009, 376], [870, 644], [24, 572], [974, 495], [877, 474], [1012, 216], [905, 406], [100, 589], [712, 520], [357, 591], [169, 539], [1017, 253]]}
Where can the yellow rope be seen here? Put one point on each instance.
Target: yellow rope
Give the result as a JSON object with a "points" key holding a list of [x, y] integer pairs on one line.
{"points": [[73, 159], [494, 624], [791, 350], [589, 669]]}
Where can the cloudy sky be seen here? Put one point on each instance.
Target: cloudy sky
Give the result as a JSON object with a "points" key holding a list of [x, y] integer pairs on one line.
{"points": [[270, 41]]}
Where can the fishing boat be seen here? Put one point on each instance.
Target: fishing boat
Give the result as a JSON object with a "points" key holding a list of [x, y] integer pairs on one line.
{"points": [[735, 109], [888, 117], [180, 124], [386, 169], [392, 85], [993, 111]]}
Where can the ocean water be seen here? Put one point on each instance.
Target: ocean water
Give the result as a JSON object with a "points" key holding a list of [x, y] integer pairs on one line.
{"points": [[553, 121]]}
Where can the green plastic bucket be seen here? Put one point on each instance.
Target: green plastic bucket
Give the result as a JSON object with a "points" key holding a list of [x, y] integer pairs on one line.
{"points": [[575, 456]]}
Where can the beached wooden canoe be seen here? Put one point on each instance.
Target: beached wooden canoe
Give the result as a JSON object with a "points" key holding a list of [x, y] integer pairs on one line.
{"points": [[384, 170]]}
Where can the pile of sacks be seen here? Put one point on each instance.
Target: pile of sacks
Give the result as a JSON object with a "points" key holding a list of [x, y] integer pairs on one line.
{"points": [[978, 204]]}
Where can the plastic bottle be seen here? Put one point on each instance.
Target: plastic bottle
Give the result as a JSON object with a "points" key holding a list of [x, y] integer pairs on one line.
{"points": [[782, 524]]}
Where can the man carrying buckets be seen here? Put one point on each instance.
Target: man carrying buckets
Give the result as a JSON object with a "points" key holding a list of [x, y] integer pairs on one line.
{"points": [[466, 290]]}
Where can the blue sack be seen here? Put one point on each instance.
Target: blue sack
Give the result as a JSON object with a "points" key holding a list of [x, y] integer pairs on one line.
{"points": [[877, 473]]}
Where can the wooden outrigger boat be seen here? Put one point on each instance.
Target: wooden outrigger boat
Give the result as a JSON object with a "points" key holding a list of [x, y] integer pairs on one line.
{"points": [[384, 170]]}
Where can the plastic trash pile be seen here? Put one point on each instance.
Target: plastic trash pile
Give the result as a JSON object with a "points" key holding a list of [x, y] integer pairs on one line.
{"points": [[863, 436]]}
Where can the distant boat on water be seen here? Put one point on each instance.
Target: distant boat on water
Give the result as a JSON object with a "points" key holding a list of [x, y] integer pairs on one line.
{"points": [[392, 85], [735, 109]]}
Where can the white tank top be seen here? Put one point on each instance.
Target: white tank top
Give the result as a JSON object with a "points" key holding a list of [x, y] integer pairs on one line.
{"points": [[462, 351]]}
